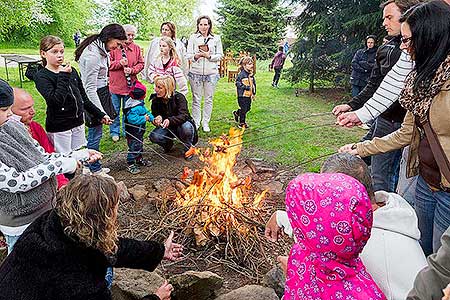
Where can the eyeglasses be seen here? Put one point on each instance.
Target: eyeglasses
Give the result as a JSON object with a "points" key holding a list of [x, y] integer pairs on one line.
{"points": [[406, 40]]}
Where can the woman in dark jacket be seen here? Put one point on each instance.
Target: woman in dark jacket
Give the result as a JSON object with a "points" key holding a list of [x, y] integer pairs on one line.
{"points": [[362, 65], [171, 116], [65, 253], [61, 87]]}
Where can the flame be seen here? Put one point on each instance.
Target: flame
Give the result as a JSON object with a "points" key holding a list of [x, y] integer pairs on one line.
{"points": [[216, 195]]}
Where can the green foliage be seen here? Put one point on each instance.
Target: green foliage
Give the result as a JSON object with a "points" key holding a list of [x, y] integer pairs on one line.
{"points": [[148, 16], [252, 25], [27, 21], [330, 31]]}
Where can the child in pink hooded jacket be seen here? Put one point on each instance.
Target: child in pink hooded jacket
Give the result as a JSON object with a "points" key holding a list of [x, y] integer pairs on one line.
{"points": [[331, 217]]}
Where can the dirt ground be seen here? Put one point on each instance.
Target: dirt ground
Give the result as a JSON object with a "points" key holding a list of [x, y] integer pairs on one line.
{"points": [[140, 219]]}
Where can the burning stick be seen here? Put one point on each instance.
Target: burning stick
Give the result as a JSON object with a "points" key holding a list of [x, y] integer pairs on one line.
{"points": [[185, 174], [191, 151]]}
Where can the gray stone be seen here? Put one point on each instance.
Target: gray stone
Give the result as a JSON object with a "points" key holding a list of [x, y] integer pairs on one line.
{"points": [[276, 280], [139, 192], [132, 284], [250, 292], [195, 285], [275, 187], [124, 194], [162, 185]]}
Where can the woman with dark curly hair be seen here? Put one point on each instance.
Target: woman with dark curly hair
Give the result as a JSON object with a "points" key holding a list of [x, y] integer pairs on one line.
{"points": [[65, 253]]}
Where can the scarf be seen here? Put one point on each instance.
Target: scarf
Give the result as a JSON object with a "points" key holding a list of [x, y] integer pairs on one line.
{"points": [[419, 102], [331, 217]]}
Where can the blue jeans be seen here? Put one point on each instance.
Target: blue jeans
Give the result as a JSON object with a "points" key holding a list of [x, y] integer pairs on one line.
{"points": [[10, 241], [135, 142], [433, 213], [385, 167], [184, 132], [109, 277], [94, 137], [118, 101]]}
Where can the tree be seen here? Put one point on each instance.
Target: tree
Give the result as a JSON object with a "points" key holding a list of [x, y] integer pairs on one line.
{"points": [[329, 33], [255, 26], [30, 20], [148, 16]]}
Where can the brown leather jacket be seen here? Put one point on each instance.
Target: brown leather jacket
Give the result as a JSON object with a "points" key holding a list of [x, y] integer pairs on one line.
{"points": [[408, 134]]}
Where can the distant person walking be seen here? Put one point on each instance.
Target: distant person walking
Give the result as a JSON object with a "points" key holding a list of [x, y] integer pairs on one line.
{"points": [[77, 38], [277, 65]]}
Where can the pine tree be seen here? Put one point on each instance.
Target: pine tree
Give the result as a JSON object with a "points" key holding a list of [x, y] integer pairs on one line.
{"points": [[330, 32], [255, 26]]}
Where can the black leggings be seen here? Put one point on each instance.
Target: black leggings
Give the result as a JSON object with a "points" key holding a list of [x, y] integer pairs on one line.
{"points": [[244, 107]]}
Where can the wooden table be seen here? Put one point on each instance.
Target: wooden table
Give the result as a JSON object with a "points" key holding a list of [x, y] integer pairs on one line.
{"points": [[22, 61]]}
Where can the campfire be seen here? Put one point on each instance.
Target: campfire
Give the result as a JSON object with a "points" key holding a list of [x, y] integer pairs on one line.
{"points": [[220, 204]]}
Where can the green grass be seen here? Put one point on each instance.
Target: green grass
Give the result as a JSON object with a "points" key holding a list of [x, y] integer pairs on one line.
{"points": [[277, 113]]}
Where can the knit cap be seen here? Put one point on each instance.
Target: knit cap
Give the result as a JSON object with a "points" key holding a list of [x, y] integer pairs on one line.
{"points": [[138, 91], [6, 94]]}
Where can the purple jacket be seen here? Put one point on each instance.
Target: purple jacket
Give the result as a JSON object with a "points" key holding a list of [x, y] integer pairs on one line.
{"points": [[278, 60]]}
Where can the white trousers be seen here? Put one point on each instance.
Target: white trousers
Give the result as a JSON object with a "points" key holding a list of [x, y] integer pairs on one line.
{"points": [[202, 89], [69, 140]]}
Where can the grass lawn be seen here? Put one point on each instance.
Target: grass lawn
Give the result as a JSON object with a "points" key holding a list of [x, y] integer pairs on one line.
{"points": [[277, 113]]}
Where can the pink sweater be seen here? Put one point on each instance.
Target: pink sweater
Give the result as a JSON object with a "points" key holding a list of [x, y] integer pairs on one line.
{"points": [[117, 81]]}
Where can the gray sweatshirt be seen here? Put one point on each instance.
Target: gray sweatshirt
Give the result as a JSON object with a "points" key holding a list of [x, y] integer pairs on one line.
{"points": [[93, 65]]}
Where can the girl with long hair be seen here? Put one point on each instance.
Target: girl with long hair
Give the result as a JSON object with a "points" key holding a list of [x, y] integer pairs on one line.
{"points": [[204, 51], [426, 38], [168, 63], [65, 253], [169, 30], [92, 56], [66, 99]]}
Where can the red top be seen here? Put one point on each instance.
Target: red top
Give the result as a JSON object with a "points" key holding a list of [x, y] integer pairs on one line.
{"points": [[38, 133], [117, 81]]}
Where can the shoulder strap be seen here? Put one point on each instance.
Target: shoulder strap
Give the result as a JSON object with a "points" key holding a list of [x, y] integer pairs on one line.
{"points": [[438, 152]]}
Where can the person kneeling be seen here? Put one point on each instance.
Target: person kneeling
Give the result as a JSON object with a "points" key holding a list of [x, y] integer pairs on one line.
{"points": [[65, 253], [172, 119]]}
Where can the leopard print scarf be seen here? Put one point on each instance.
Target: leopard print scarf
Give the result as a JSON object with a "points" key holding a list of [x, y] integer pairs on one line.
{"points": [[419, 103]]}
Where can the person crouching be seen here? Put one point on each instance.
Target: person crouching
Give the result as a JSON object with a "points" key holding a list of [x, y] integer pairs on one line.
{"points": [[136, 116]]}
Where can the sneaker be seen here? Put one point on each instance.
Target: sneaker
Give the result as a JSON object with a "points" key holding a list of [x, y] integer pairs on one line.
{"points": [[115, 138], [236, 116], [206, 128], [243, 125], [134, 169], [142, 163]]}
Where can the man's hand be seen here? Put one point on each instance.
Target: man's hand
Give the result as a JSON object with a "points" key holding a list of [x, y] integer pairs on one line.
{"points": [[339, 109], [348, 119], [94, 156], [273, 231], [124, 62], [349, 148], [163, 292], [173, 251]]}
